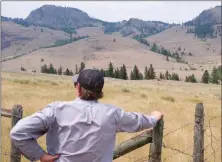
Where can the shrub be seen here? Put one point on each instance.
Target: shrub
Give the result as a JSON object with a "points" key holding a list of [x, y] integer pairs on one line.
{"points": [[23, 69], [125, 90], [168, 98], [143, 95]]}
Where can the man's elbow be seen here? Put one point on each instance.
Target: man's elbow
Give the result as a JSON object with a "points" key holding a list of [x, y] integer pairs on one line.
{"points": [[12, 134]]}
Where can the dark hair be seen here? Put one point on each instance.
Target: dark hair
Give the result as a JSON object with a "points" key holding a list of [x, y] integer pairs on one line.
{"points": [[90, 95]]}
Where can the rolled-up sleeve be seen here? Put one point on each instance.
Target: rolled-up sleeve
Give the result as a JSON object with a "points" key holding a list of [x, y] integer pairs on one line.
{"points": [[133, 121], [26, 132]]}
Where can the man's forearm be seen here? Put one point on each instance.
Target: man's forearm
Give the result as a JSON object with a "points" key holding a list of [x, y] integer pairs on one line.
{"points": [[29, 148]]}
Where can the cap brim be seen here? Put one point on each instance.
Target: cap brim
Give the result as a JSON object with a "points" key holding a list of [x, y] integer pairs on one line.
{"points": [[75, 77]]}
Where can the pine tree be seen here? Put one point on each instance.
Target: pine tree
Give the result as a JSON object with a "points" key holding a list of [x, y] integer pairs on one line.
{"points": [[140, 76], [167, 75], [117, 73], [60, 70], [71, 73], [51, 69], [110, 70], [146, 73], [193, 79], [214, 76], [154, 48], [82, 66], [66, 72], [151, 72], [206, 77], [123, 73], [161, 76], [175, 77], [44, 69], [136, 73], [55, 71], [132, 77]]}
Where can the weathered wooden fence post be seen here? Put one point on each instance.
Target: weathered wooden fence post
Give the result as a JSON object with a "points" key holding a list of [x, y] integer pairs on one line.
{"points": [[156, 145], [16, 116], [198, 152]]}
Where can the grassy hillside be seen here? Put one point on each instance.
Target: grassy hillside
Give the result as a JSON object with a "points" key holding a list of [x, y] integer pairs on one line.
{"points": [[176, 100], [97, 51], [203, 52], [18, 40]]}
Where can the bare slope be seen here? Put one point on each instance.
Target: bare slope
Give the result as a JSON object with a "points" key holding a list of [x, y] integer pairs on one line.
{"points": [[17, 40], [203, 51], [96, 51]]}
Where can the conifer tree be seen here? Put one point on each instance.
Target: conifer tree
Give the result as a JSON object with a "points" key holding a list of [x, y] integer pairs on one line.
{"points": [[51, 69], [82, 66], [205, 77], [167, 75], [151, 72], [136, 73], [44, 69], [60, 70], [214, 76], [146, 75], [110, 70], [123, 73]]}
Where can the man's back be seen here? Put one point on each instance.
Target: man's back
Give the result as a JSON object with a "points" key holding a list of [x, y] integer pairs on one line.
{"points": [[80, 131], [86, 132]]}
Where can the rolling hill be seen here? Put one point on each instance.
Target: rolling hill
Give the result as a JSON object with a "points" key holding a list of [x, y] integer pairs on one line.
{"points": [[19, 40], [108, 42], [96, 51]]}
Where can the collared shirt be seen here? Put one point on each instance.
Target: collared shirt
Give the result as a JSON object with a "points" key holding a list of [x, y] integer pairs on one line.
{"points": [[80, 130]]}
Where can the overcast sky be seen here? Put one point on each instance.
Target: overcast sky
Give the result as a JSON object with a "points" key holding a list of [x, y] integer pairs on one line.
{"points": [[168, 11]]}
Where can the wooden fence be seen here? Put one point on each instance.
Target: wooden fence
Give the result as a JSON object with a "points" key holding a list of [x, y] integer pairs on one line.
{"points": [[15, 114], [154, 137]]}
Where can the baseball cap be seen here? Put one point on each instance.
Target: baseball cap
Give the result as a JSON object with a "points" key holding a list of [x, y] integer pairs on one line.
{"points": [[90, 79]]}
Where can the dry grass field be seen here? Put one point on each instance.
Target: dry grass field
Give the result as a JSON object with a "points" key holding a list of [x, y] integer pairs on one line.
{"points": [[177, 100]]}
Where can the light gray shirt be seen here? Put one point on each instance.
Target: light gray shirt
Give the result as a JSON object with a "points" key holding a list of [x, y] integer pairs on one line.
{"points": [[80, 130]]}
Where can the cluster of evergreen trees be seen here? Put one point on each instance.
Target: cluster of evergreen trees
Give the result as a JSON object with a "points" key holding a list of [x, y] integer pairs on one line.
{"points": [[201, 30], [169, 76], [149, 73], [135, 74], [214, 77], [191, 78], [204, 30], [165, 52], [141, 39], [156, 49], [119, 72], [66, 41], [52, 70]]}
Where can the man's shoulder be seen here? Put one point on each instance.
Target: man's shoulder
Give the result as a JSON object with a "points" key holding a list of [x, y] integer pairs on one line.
{"points": [[109, 106], [59, 104]]}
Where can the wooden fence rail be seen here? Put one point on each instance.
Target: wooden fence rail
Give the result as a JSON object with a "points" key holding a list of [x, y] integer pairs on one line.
{"points": [[154, 137]]}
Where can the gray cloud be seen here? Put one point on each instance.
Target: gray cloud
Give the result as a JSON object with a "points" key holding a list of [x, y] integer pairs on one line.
{"points": [[167, 11]]}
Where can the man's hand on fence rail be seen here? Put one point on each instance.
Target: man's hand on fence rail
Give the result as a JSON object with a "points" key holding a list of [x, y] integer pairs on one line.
{"points": [[49, 158]]}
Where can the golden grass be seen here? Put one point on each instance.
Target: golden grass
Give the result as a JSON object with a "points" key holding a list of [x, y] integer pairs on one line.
{"points": [[35, 91]]}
